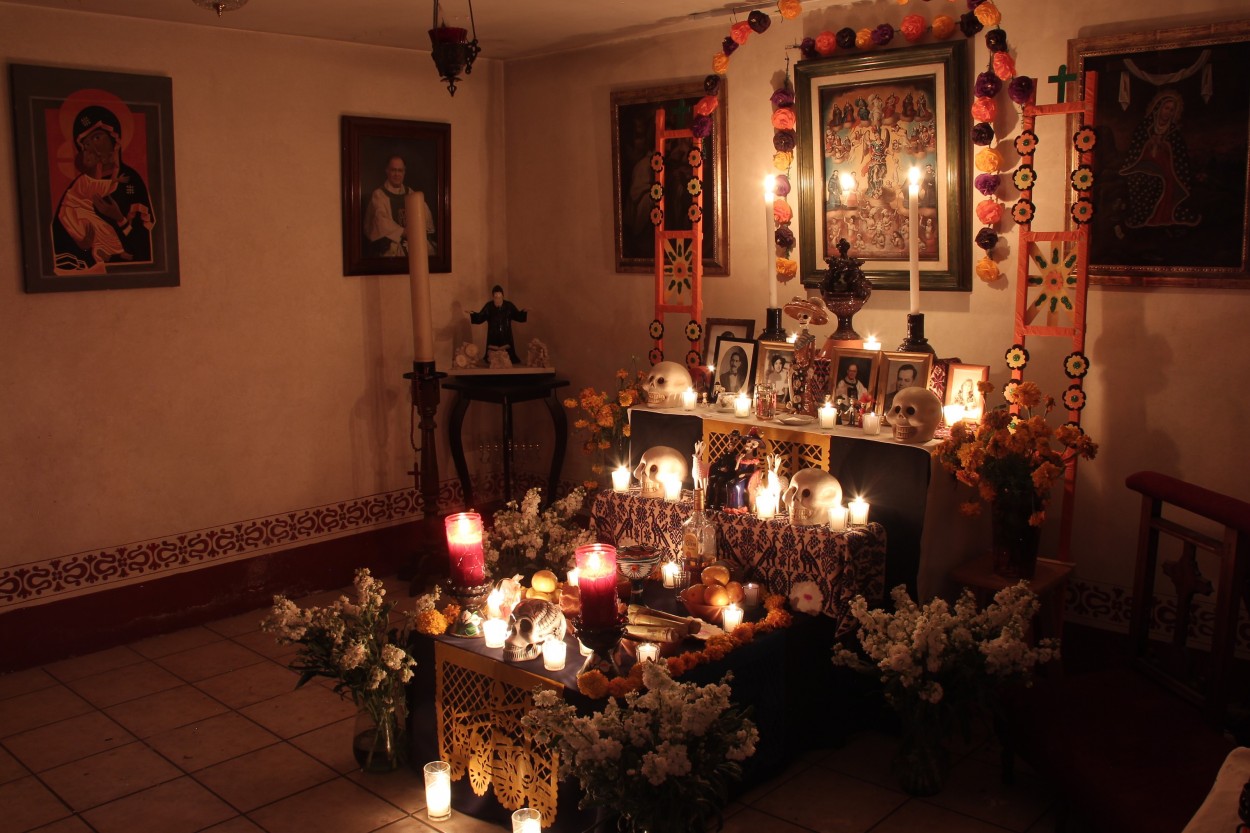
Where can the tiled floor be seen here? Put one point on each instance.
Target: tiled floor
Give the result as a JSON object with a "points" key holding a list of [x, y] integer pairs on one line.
{"points": [[202, 730]]}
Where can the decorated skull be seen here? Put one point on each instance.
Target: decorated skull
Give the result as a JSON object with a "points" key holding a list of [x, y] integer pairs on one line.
{"points": [[811, 493], [667, 382], [915, 415], [532, 623], [658, 464]]}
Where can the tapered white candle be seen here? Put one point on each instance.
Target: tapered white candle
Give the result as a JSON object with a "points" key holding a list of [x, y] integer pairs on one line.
{"points": [[419, 278], [770, 245], [913, 236]]}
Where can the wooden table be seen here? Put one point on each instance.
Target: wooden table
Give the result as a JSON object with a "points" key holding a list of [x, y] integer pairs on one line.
{"points": [[1048, 582]]}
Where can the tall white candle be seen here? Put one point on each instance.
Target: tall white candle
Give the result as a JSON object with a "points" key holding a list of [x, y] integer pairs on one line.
{"points": [[438, 790], [913, 236], [419, 278], [770, 245]]}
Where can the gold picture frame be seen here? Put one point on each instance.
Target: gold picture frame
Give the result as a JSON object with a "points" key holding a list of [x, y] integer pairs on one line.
{"points": [[770, 352], [867, 364], [900, 370]]}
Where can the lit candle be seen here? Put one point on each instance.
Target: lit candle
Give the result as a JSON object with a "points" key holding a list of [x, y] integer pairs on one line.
{"points": [[871, 343], [648, 652], [672, 488], [596, 567], [913, 236], [770, 247], [828, 416], [871, 423], [582, 649], [620, 479], [438, 790], [554, 653], [527, 820], [972, 415], [731, 618], [953, 414], [572, 578], [495, 631], [750, 594], [859, 512], [837, 518], [494, 603], [742, 405], [419, 278], [464, 548], [688, 398], [670, 571], [766, 503]]}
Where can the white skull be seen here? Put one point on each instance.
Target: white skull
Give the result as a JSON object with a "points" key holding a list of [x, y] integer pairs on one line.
{"points": [[658, 464], [915, 415], [811, 493], [532, 623], [667, 382]]}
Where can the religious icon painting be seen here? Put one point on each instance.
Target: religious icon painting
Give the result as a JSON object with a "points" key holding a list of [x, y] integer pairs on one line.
{"points": [[95, 179]]}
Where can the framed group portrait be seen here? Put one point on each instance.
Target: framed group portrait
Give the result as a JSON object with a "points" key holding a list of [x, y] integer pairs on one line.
{"points": [[384, 161], [775, 365], [864, 121], [714, 328], [961, 387], [734, 367], [901, 370], [95, 179], [1170, 189], [853, 374], [633, 144]]}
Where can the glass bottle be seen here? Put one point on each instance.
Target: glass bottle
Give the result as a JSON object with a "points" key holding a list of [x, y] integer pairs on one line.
{"points": [[698, 540], [765, 400]]}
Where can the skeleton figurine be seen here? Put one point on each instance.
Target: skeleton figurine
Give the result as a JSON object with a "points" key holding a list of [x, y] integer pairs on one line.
{"points": [[746, 464], [532, 623], [770, 477], [665, 385], [812, 491], [699, 470], [915, 415], [658, 464]]}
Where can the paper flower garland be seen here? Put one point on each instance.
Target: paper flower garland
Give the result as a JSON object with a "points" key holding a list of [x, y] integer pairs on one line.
{"points": [[783, 121]]}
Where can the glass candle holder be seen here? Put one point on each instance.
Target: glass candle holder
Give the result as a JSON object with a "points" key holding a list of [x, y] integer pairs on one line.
{"points": [[669, 571], [438, 790], [648, 652], [620, 479], [495, 631], [527, 820], [837, 518], [688, 399], [859, 512], [731, 618], [554, 653], [464, 548], [596, 569], [751, 594]]}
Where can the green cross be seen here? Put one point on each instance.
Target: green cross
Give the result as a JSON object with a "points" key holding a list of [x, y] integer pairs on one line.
{"points": [[1062, 77]]}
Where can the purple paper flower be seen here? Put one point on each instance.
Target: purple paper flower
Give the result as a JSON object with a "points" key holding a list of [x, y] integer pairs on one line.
{"points": [[783, 97], [728, 46], [988, 85], [996, 40], [711, 84], [845, 38], [701, 127], [1020, 90], [883, 34], [784, 237], [781, 185], [982, 133], [987, 238], [759, 22], [987, 184], [807, 48], [784, 140], [969, 25]]}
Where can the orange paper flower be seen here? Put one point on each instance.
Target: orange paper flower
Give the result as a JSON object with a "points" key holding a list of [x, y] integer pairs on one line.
{"points": [[863, 39], [1004, 66], [790, 9], [984, 109], [720, 63], [988, 160], [826, 44], [987, 270], [783, 118], [988, 13], [739, 32], [943, 26], [912, 27]]}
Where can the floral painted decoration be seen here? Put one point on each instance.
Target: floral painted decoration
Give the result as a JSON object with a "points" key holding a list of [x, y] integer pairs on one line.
{"points": [[1016, 357], [656, 329], [1026, 143], [1024, 178], [693, 360], [1022, 212], [1076, 365], [1074, 398], [657, 192], [695, 157], [657, 216], [694, 331], [1082, 178], [657, 162], [694, 213], [694, 186], [1082, 211], [1085, 140], [655, 355]]}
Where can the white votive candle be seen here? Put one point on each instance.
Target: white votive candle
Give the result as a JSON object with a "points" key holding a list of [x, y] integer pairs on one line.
{"points": [[648, 652], [859, 512], [750, 594], [527, 820], [837, 518], [669, 571], [871, 423], [828, 416], [438, 790], [765, 504], [571, 581], [688, 399], [953, 414], [495, 631], [554, 653], [731, 618], [620, 479], [582, 649], [871, 343], [672, 489], [742, 406]]}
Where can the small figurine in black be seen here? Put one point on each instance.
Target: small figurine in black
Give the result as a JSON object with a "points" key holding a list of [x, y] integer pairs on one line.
{"points": [[729, 475], [498, 315]]}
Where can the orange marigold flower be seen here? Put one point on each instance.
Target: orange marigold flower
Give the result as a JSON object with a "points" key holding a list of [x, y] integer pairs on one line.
{"points": [[625, 430], [593, 684], [570, 402], [626, 397], [1028, 395], [985, 387], [1037, 517], [431, 623], [451, 610]]}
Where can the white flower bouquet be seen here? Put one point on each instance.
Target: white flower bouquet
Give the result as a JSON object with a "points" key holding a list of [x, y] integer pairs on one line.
{"points": [[663, 759], [522, 539]]}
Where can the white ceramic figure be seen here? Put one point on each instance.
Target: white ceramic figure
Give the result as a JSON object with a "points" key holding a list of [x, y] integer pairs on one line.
{"points": [[812, 491], [915, 415], [769, 476], [665, 385], [657, 465]]}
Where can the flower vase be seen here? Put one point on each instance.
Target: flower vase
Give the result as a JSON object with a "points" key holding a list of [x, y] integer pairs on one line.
{"points": [[380, 736], [922, 760], [1014, 539]]}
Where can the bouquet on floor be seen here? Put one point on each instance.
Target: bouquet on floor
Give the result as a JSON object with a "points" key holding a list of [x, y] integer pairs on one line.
{"points": [[523, 539], [663, 758]]}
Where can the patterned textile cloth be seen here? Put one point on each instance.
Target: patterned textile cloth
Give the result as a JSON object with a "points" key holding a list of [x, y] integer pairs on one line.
{"points": [[774, 553]]}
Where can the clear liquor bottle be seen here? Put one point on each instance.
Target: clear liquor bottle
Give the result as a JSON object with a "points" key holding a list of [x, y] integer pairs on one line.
{"points": [[698, 540]]}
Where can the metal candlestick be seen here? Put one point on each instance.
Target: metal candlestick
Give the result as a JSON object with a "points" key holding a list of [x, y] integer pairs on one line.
{"points": [[773, 331], [915, 341], [425, 397], [602, 643], [468, 624]]}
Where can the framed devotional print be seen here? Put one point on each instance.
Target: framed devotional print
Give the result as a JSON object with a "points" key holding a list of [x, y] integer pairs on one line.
{"points": [[95, 179], [633, 143], [1172, 121], [385, 160], [863, 122]]}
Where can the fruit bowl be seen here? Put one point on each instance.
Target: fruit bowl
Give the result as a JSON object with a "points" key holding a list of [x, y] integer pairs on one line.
{"points": [[706, 612]]}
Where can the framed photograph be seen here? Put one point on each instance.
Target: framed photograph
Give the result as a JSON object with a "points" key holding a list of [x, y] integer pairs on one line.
{"points": [[898, 371], [863, 122], [775, 365], [1170, 165], [384, 160], [714, 328], [95, 179], [735, 364], [961, 387], [853, 373], [633, 143]]}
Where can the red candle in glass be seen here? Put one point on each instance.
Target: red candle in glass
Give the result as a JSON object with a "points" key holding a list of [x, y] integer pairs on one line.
{"points": [[464, 546], [596, 581]]}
